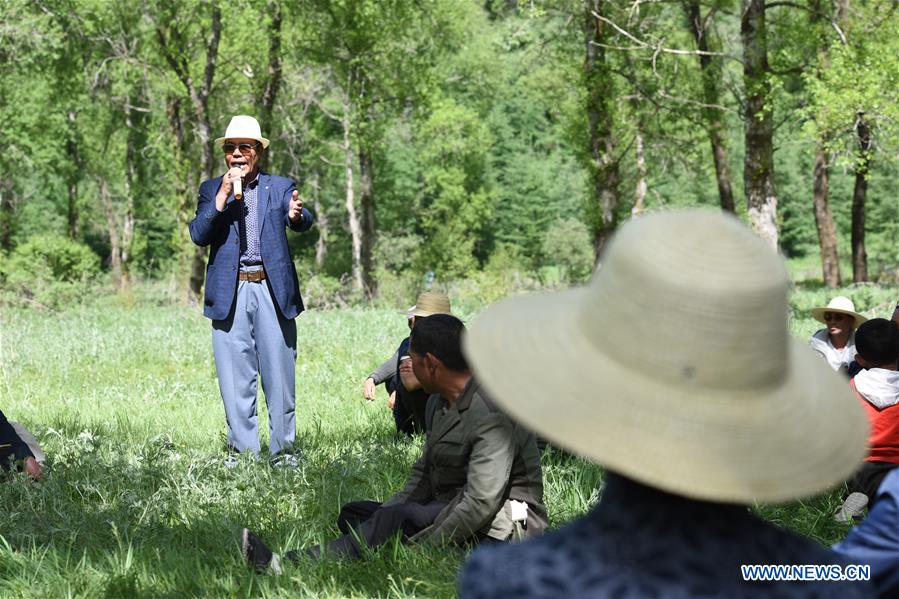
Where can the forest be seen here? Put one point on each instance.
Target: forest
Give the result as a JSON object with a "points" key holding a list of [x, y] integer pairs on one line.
{"points": [[479, 146]]}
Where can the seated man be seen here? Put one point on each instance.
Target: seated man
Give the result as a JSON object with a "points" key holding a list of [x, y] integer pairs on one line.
{"points": [[478, 475], [739, 413], [407, 399], [877, 389], [15, 451]]}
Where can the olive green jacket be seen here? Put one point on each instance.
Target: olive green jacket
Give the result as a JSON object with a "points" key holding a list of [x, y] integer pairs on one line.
{"points": [[476, 459]]}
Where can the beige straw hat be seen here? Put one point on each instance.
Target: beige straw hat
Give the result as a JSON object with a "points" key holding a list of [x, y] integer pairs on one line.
{"points": [[430, 303], [674, 367], [840, 304], [243, 127]]}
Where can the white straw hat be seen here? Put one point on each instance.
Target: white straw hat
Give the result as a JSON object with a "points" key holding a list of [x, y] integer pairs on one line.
{"points": [[675, 368], [842, 305], [243, 127]]}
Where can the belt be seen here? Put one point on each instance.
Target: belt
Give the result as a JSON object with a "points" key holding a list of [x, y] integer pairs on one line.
{"points": [[254, 276]]}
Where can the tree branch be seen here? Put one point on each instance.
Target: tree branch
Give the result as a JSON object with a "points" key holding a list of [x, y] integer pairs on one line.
{"points": [[657, 48]]}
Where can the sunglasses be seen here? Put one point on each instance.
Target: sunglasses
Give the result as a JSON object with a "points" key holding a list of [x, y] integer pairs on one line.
{"points": [[834, 316], [244, 148]]}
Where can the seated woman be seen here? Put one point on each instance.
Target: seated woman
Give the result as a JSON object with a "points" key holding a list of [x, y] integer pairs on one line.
{"points": [[836, 342]]}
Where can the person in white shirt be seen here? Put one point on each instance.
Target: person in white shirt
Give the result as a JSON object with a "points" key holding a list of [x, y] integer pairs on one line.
{"points": [[836, 342]]}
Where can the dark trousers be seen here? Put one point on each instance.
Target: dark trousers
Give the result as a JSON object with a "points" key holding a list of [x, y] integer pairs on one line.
{"points": [[409, 411], [867, 479], [370, 522]]}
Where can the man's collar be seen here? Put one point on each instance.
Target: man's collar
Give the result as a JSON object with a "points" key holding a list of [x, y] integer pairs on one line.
{"points": [[467, 393], [254, 180]]}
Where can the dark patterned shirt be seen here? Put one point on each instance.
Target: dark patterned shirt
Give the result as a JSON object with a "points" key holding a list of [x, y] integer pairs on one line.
{"points": [[250, 253], [642, 542]]}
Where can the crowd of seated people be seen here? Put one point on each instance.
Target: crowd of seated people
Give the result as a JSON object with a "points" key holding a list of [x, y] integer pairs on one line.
{"points": [[740, 414], [690, 439]]}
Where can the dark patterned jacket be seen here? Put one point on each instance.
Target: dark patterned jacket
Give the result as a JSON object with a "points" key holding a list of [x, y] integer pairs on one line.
{"points": [[11, 445], [642, 542]]}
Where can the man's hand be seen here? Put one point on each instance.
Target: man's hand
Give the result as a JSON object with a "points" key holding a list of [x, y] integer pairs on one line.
{"points": [[32, 468], [391, 401], [295, 210], [227, 185], [368, 389], [407, 375]]}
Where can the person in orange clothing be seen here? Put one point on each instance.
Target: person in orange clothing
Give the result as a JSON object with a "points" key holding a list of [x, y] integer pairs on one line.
{"points": [[877, 389]]}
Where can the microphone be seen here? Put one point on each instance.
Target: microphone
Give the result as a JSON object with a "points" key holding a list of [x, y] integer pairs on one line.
{"points": [[238, 189]]}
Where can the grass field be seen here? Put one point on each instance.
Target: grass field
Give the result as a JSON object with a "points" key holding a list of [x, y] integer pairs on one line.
{"points": [[136, 502]]}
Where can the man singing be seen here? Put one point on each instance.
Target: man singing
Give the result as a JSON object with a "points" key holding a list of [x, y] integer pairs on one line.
{"points": [[252, 294]]}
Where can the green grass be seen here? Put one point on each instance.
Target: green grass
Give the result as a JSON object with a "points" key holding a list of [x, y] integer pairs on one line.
{"points": [[136, 502]]}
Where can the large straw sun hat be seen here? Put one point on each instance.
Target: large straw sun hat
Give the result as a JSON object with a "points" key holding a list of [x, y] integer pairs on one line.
{"points": [[674, 367], [243, 127], [841, 305], [429, 303]]}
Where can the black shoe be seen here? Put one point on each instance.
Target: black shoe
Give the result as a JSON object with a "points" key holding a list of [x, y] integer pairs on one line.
{"points": [[257, 554]]}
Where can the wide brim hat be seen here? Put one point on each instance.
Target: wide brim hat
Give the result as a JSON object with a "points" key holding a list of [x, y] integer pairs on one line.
{"points": [[243, 127], [841, 305], [429, 303], [674, 367]]}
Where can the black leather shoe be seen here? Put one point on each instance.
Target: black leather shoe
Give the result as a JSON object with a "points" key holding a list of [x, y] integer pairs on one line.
{"points": [[257, 554]]}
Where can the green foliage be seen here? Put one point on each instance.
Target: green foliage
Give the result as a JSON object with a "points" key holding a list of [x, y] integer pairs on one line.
{"points": [[399, 282], [473, 114], [456, 207], [505, 274], [49, 271], [567, 244], [861, 79]]}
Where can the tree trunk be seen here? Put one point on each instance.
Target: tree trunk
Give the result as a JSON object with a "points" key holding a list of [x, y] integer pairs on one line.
{"points": [[862, 168], [321, 220], [758, 167], [600, 118], [168, 37], [6, 214], [827, 235], [74, 176], [112, 229], [135, 180], [367, 200], [273, 79], [711, 69], [352, 218], [640, 191]]}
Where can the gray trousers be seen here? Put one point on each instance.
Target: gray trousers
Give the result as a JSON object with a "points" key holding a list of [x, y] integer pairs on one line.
{"points": [[255, 338]]}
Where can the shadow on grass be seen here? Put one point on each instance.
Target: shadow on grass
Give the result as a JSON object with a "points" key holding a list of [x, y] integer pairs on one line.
{"points": [[116, 516]]}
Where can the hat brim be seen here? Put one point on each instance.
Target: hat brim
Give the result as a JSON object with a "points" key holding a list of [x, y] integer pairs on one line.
{"points": [[792, 439], [221, 140], [423, 313], [818, 314]]}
